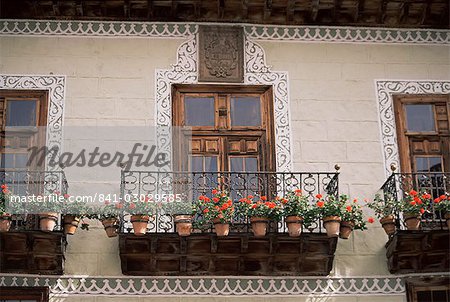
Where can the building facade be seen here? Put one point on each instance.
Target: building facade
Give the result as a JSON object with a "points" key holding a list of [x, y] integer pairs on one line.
{"points": [[332, 90]]}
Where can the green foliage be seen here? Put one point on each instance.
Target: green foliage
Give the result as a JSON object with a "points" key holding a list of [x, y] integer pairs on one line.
{"points": [[295, 204], [383, 206]]}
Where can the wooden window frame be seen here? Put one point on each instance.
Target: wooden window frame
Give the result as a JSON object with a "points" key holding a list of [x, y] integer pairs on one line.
{"points": [[413, 286], [41, 294], [41, 96], [403, 135], [266, 130]]}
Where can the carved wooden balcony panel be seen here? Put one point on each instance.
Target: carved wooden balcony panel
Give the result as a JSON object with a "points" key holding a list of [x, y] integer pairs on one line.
{"points": [[419, 252], [236, 254], [32, 252]]}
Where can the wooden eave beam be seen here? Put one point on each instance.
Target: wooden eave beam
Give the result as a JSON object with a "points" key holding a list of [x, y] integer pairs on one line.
{"points": [[290, 11], [220, 8], [359, 9], [382, 12], [245, 9], [336, 10], [79, 7], [126, 8], [403, 12], [149, 9], [426, 12], [268, 9], [315, 9], [56, 9]]}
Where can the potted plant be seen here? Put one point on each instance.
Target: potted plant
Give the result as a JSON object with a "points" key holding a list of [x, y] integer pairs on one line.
{"points": [[48, 208], [413, 206], [442, 204], [108, 215], [352, 219], [260, 212], [5, 217], [181, 212], [330, 210], [295, 208], [141, 211], [219, 210], [384, 210], [73, 213]]}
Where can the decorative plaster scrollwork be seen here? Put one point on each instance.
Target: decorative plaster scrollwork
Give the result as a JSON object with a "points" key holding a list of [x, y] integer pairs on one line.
{"points": [[385, 89], [256, 73], [214, 286], [254, 32]]}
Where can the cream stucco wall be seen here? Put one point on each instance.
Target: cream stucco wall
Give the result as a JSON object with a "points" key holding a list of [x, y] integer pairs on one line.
{"points": [[333, 109]]}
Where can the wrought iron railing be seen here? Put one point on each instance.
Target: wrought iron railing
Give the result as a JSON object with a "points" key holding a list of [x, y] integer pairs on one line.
{"points": [[190, 185], [32, 182], [398, 185]]}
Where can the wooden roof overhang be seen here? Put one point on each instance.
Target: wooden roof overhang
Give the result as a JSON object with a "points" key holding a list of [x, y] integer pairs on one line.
{"points": [[372, 13]]}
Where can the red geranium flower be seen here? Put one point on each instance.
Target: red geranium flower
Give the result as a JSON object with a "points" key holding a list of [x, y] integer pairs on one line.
{"points": [[413, 193], [320, 204], [4, 186], [214, 191], [370, 220], [437, 200], [263, 198], [132, 206], [349, 208], [319, 196], [422, 210], [205, 211], [215, 199]]}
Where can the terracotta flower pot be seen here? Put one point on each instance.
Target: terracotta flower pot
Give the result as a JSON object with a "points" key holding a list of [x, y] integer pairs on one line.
{"points": [[5, 223], [139, 223], [388, 224], [183, 224], [259, 226], [111, 225], [412, 221], [294, 225], [47, 221], [222, 229], [346, 229], [447, 220], [70, 224], [331, 225]]}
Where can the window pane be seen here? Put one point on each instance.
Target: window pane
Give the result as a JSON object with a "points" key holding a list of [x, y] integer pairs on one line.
{"points": [[197, 164], [204, 163], [237, 164], [199, 111], [7, 160], [423, 296], [243, 164], [21, 113], [245, 111], [210, 164], [439, 296], [428, 164], [420, 118], [21, 160], [251, 164]]}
